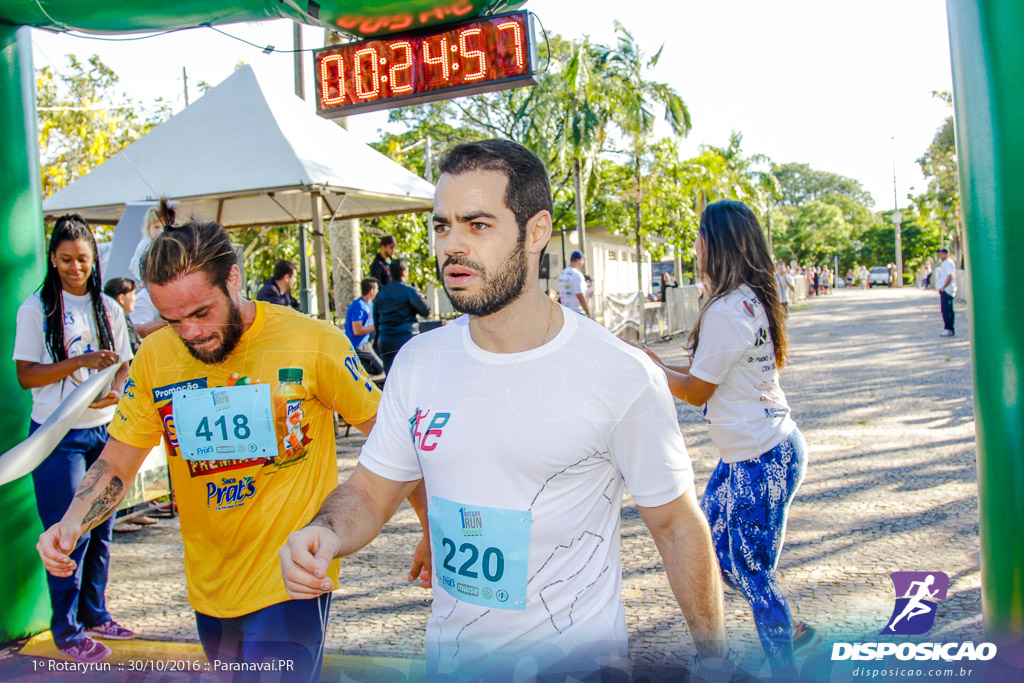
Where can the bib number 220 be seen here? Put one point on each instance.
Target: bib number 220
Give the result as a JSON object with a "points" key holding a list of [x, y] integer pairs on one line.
{"points": [[492, 563], [241, 427]]}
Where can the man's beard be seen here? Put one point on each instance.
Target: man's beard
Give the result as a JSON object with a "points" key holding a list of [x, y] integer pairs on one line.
{"points": [[499, 290], [231, 332]]}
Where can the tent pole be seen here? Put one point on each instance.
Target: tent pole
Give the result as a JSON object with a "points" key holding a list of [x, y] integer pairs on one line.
{"points": [[303, 269], [320, 255]]}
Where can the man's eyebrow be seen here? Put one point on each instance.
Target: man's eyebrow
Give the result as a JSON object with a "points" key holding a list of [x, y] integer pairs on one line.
{"points": [[201, 309], [440, 219], [470, 217]]}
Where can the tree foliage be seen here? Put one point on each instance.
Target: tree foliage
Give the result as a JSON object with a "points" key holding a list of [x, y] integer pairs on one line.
{"points": [[84, 120]]}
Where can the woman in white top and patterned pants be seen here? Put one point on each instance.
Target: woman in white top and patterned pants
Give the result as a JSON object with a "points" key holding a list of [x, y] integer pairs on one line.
{"points": [[737, 347]]}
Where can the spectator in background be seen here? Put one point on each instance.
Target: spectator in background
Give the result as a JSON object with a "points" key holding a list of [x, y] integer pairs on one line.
{"points": [[395, 311], [122, 289], [786, 284], [145, 318], [666, 282], [359, 326], [864, 275], [380, 268], [278, 289], [945, 281], [572, 285], [65, 333]]}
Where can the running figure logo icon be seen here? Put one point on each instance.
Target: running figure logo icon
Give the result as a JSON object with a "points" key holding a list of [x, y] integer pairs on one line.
{"points": [[917, 595]]}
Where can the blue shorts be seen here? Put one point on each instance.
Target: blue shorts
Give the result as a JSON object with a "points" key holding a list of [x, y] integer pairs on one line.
{"points": [[282, 642]]}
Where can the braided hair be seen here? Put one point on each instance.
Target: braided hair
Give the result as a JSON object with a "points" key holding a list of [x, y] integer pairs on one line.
{"points": [[70, 228]]}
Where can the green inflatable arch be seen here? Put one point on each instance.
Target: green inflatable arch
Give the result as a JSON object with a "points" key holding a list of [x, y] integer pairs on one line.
{"points": [[988, 69]]}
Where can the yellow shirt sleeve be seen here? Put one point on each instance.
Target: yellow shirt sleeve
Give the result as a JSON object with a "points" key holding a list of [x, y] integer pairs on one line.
{"points": [[342, 382], [137, 421]]}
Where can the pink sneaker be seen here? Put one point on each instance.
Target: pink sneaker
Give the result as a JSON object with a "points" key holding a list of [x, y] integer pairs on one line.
{"points": [[88, 651], [110, 631]]}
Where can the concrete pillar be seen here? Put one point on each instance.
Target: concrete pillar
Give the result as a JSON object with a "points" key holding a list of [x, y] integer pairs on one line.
{"points": [[346, 262]]}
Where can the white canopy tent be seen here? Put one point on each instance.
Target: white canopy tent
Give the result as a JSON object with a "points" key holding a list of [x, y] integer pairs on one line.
{"points": [[242, 156]]}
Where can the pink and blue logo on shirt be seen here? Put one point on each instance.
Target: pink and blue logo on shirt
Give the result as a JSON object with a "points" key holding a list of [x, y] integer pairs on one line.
{"points": [[426, 439]]}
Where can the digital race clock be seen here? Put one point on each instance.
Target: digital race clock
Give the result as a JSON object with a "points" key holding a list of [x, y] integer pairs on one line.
{"points": [[426, 65]]}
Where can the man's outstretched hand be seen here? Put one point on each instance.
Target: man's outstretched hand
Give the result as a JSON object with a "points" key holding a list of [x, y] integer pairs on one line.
{"points": [[305, 559]]}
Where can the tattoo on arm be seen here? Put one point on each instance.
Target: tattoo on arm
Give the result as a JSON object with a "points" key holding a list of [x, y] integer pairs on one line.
{"points": [[91, 479], [103, 505]]}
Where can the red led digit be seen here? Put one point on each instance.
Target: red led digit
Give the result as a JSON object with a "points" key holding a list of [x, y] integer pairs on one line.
{"points": [[357, 66], [442, 59], [517, 44], [468, 54], [326, 79], [395, 72]]}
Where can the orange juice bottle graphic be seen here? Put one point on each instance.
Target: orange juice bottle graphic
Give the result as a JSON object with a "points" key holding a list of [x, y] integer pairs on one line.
{"points": [[288, 412]]}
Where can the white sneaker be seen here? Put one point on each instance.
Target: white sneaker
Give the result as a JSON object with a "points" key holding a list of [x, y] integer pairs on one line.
{"points": [[946, 333]]}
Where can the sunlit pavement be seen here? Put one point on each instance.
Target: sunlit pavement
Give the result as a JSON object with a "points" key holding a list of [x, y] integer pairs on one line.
{"points": [[886, 407]]}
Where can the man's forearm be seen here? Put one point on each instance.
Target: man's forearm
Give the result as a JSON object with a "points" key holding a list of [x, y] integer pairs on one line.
{"points": [[418, 500], [684, 541], [105, 484], [98, 496], [354, 516]]}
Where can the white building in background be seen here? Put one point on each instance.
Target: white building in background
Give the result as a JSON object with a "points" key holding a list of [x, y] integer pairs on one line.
{"points": [[611, 262]]}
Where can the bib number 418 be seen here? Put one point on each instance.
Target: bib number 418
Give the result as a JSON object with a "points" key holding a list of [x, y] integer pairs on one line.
{"points": [[241, 428]]}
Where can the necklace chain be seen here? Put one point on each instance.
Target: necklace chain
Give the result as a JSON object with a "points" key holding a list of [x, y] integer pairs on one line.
{"points": [[551, 316]]}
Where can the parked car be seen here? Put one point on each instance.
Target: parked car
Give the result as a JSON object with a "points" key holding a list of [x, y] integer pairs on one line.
{"points": [[879, 276]]}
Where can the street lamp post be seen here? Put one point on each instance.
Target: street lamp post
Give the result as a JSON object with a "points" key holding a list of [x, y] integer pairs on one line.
{"points": [[897, 219]]}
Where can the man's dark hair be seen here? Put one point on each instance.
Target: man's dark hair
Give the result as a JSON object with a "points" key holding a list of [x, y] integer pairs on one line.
{"points": [[283, 268], [367, 284], [117, 286], [387, 241], [397, 267], [528, 191], [181, 250]]}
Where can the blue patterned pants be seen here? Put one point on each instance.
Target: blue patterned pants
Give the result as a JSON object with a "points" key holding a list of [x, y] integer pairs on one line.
{"points": [[746, 504]]}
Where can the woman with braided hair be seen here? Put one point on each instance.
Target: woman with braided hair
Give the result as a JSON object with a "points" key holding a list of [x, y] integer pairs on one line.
{"points": [[65, 332]]}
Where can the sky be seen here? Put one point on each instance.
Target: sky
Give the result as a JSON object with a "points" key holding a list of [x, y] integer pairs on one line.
{"points": [[843, 85]]}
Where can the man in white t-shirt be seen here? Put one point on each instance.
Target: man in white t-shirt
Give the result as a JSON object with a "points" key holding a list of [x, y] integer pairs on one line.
{"points": [[572, 286], [526, 424], [945, 281]]}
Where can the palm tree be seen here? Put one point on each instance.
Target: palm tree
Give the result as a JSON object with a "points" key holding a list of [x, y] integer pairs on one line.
{"points": [[625, 67], [584, 126]]}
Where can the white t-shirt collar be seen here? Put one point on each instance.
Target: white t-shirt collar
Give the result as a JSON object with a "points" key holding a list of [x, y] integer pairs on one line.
{"points": [[569, 322]]}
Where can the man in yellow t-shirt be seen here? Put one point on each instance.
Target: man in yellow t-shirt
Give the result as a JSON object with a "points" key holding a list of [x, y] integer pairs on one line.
{"points": [[244, 394]]}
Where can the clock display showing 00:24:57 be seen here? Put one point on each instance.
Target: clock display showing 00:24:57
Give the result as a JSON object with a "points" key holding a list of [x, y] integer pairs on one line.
{"points": [[401, 70]]}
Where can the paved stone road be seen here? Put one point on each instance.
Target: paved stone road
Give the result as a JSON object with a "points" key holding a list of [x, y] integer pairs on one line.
{"points": [[886, 407]]}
